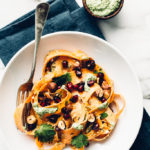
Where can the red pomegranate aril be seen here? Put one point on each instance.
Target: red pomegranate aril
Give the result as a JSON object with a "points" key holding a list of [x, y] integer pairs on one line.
{"points": [[66, 116], [100, 75], [41, 94], [78, 73], [102, 99], [64, 110], [70, 86], [48, 101], [57, 99], [57, 128], [65, 63], [43, 104], [58, 87], [90, 64], [90, 83], [74, 98], [81, 88], [95, 126], [101, 81], [53, 118], [76, 86]]}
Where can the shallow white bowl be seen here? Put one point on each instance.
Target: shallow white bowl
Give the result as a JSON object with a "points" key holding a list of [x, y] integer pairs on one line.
{"points": [[113, 62]]}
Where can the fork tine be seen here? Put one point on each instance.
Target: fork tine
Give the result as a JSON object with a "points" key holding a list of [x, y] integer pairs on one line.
{"points": [[25, 95], [22, 97], [23, 92], [18, 97]]}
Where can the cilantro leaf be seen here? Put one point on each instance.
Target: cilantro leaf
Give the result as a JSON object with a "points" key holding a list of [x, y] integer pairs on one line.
{"points": [[62, 79], [103, 115], [95, 71], [80, 141], [45, 133]]}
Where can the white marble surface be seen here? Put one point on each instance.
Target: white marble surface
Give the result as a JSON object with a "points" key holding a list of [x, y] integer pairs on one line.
{"points": [[129, 31]]}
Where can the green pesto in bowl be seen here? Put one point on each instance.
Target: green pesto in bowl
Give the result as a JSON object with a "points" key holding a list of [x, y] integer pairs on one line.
{"points": [[103, 8]]}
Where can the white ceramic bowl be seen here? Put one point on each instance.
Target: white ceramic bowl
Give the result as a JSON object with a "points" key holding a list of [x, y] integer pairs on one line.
{"points": [[113, 62]]}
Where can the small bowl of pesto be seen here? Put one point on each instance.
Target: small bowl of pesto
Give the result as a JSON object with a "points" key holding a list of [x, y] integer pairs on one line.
{"points": [[103, 9]]}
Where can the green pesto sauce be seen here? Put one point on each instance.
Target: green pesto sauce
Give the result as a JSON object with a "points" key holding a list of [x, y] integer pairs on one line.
{"points": [[77, 126], [103, 105], [103, 7], [88, 78], [41, 111]]}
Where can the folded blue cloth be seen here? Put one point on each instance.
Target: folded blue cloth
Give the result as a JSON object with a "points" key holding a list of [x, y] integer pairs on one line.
{"points": [[65, 15]]}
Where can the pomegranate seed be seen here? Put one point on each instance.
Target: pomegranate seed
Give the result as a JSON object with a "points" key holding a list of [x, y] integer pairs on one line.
{"points": [[57, 99], [90, 83], [70, 86], [103, 99], [47, 101], [65, 63], [59, 87], [64, 110], [43, 104], [57, 128], [90, 64], [100, 75], [41, 94], [53, 118], [76, 86], [66, 116], [78, 73], [74, 99], [95, 126], [81, 88], [100, 81]]}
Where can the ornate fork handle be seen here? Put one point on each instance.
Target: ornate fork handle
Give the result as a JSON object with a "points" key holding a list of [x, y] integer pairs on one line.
{"points": [[41, 14]]}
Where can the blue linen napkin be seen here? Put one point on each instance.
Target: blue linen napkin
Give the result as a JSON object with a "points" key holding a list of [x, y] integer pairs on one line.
{"points": [[65, 15]]}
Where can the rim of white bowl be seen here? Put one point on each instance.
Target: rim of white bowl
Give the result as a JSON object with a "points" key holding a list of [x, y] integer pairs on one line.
{"points": [[96, 38]]}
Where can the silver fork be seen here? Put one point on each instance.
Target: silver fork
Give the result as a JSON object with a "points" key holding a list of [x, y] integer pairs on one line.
{"points": [[40, 19]]}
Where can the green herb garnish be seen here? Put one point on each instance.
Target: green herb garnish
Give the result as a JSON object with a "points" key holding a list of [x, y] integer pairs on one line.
{"points": [[103, 115], [62, 79], [103, 105], [80, 141], [45, 133], [66, 103], [95, 71]]}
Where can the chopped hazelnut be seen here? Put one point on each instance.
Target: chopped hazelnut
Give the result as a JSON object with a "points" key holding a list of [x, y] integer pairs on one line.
{"points": [[76, 64], [91, 118], [61, 125], [105, 85], [31, 119], [52, 86], [99, 92], [106, 93]]}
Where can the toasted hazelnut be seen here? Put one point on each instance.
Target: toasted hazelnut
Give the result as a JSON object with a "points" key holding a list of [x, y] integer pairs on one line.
{"points": [[52, 86], [61, 125], [76, 64], [31, 119], [105, 85], [99, 92], [91, 118], [106, 93]]}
